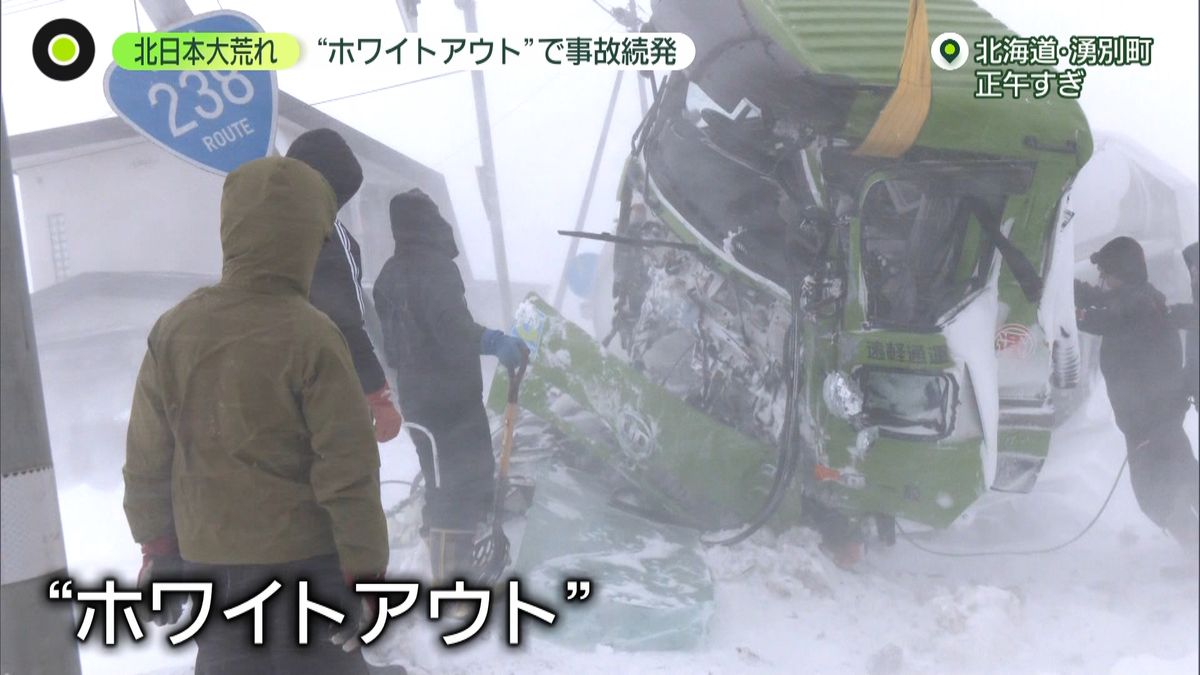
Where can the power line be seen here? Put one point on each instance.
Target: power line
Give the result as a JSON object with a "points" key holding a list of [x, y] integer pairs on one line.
{"points": [[500, 119], [10, 4], [13, 5], [390, 86], [630, 20], [35, 6], [1024, 552], [604, 9]]}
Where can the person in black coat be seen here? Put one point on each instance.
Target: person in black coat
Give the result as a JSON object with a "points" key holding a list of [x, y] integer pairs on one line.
{"points": [[1140, 359], [337, 282], [434, 344], [1186, 317]]}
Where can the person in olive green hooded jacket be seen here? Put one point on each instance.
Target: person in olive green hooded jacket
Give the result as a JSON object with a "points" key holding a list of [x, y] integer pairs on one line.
{"points": [[251, 454]]}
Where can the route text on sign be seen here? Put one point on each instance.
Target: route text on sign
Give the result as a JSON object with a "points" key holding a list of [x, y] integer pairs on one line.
{"points": [[230, 134]]}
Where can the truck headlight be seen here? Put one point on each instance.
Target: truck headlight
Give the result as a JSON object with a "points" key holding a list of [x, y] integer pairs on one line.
{"points": [[843, 396]]}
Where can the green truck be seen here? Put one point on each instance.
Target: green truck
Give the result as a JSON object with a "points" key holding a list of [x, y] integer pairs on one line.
{"points": [[840, 280]]}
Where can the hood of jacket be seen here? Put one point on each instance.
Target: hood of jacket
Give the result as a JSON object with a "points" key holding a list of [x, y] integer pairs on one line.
{"points": [[275, 215], [417, 222], [1124, 259], [326, 151]]}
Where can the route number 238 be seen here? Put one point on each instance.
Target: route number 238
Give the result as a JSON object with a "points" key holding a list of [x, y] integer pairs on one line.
{"points": [[235, 88]]}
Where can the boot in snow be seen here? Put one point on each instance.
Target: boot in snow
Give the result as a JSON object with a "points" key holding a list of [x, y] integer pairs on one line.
{"points": [[450, 556], [451, 560]]}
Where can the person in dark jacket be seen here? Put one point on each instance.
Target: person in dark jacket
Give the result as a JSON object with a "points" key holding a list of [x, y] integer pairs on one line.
{"points": [[1140, 359], [337, 281], [1186, 317], [433, 343]]}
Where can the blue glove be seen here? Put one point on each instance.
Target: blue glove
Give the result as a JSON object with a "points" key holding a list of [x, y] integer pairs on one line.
{"points": [[510, 350]]}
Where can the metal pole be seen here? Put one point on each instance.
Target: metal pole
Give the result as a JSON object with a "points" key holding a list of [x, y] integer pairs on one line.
{"points": [[486, 172], [634, 24], [408, 14], [642, 95], [166, 12], [36, 635], [641, 81], [581, 219]]}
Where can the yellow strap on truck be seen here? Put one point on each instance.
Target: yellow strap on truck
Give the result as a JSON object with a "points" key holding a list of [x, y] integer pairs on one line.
{"points": [[902, 117]]}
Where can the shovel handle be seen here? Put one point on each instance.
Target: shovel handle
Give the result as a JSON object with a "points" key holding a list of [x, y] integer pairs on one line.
{"points": [[510, 413], [499, 559], [515, 376]]}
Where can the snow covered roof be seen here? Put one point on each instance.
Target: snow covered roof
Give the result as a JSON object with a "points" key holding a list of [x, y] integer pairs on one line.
{"points": [[380, 162], [1159, 201], [385, 170]]}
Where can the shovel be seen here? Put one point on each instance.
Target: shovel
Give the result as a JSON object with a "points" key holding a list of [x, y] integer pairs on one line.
{"points": [[491, 552]]}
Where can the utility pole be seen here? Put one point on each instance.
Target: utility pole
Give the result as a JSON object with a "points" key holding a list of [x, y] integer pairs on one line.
{"points": [[166, 12], [581, 218], [408, 14], [628, 18], [486, 173], [37, 636]]}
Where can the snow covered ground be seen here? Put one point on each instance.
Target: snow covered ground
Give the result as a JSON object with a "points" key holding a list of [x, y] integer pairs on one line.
{"points": [[1122, 600]]}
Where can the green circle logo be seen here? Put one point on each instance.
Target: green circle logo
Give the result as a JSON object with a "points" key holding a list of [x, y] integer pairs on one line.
{"points": [[63, 49]]}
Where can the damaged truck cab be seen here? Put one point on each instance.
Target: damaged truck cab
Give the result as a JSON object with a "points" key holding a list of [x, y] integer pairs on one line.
{"points": [[921, 303]]}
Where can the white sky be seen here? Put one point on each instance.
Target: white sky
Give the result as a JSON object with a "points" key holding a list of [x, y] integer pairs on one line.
{"points": [[546, 124]]}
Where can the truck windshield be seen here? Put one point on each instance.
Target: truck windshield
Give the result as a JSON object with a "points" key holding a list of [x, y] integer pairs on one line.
{"points": [[923, 250], [733, 174]]}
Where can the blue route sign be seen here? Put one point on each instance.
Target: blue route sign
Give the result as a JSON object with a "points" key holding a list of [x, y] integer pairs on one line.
{"points": [[581, 273], [217, 120]]}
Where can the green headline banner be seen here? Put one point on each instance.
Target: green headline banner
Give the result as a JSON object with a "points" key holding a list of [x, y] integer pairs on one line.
{"points": [[206, 51]]}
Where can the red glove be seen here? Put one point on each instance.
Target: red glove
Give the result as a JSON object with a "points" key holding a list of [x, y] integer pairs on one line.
{"points": [[360, 615], [161, 562], [387, 418]]}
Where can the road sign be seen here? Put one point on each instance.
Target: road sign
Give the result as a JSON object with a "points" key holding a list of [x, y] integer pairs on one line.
{"points": [[581, 273], [216, 120]]}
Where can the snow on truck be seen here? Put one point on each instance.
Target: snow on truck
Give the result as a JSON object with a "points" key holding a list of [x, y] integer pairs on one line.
{"points": [[834, 268]]}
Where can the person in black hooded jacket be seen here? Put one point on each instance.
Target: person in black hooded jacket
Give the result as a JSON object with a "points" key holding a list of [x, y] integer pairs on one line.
{"points": [[1140, 359], [337, 282], [1186, 317], [433, 343]]}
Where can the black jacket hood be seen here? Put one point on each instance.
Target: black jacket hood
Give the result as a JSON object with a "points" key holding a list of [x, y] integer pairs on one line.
{"points": [[326, 151], [416, 222], [1124, 259]]}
